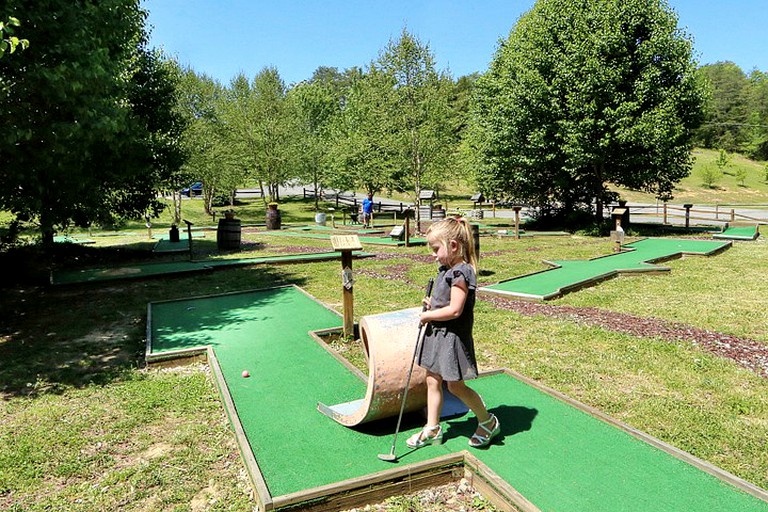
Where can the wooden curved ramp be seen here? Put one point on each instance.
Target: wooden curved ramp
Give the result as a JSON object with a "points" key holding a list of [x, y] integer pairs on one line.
{"points": [[389, 340]]}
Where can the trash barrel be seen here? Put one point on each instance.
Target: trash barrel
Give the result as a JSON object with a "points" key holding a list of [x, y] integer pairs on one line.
{"points": [[228, 234]]}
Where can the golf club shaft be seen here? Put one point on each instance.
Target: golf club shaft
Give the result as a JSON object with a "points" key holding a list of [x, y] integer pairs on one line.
{"points": [[410, 370]]}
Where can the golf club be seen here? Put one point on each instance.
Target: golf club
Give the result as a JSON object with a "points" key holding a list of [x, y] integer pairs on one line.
{"points": [[391, 457]]}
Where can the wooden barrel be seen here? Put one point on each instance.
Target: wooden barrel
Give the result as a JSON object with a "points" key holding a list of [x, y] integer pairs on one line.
{"points": [[273, 218], [438, 214], [228, 234]]}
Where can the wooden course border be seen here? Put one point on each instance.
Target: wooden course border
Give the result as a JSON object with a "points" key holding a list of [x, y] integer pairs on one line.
{"points": [[441, 470]]}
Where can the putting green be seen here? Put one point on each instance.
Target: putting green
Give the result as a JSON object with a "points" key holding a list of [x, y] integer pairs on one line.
{"points": [[569, 275], [555, 454], [376, 240], [739, 233], [145, 270], [66, 239]]}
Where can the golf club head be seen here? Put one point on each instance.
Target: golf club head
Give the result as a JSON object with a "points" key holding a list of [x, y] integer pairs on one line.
{"points": [[389, 457]]}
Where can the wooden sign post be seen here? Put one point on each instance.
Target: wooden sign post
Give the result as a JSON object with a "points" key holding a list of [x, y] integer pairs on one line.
{"points": [[346, 244], [517, 221], [408, 213], [189, 238], [617, 235]]}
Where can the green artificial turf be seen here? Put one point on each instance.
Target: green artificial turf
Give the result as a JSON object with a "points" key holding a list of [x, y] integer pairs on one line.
{"points": [[145, 270], [570, 273], [563, 459], [376, 240], [559, 457], [738, 233]]}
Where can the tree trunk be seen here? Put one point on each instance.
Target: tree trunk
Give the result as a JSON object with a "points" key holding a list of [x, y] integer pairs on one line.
{"points": [[599, 172], [176, 196], [46, 228], [263, 195], [317, 199]]}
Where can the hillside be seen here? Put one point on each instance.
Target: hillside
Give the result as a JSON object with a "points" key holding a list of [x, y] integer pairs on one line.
{"points": [[726, 190]]}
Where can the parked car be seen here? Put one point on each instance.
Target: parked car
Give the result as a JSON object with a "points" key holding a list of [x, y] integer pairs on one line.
{"points": [[195, 189]]}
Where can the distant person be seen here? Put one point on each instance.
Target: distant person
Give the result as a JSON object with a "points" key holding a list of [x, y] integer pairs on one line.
{"points": [[367, 210]]}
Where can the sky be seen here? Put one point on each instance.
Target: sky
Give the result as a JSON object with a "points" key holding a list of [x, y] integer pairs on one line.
{"points": [[223, 38]]}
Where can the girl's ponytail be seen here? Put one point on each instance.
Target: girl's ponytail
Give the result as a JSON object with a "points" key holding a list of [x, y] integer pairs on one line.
{"points": [[470, 255]]}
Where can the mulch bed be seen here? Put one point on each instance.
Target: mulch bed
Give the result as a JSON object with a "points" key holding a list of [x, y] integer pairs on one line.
{"points": [[748, 353]]}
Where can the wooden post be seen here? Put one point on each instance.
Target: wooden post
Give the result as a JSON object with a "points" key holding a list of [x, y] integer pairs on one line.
{"points": [[688, 207], [517, 221], [408, 227], [733, 215], [665, 213], [346, 244], [348, 293], [189, 237], [617, 235]]}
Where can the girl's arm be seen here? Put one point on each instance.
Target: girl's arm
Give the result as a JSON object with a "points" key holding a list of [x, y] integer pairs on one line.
{"points": [[459, 292]]}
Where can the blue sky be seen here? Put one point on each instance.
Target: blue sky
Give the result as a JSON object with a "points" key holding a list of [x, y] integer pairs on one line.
{"points": [[222, 38]]}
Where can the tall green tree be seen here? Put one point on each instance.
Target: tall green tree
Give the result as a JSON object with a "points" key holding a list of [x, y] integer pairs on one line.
{"points": [[396, 129], [212, 159], [421, 111], [259, 125], [87, 138], [313, 105], [362, 153], [725, 108], [584, 94], [756, 145]]}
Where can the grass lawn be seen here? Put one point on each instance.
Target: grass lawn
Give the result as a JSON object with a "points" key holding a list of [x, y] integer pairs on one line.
{"points": [[84, 426]]}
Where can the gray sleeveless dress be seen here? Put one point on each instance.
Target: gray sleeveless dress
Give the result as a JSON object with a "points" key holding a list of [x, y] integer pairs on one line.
{"points": [[448, 348]]}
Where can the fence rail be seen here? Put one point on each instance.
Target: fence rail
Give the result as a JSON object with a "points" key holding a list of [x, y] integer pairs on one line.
{"points": [[714, 214]]}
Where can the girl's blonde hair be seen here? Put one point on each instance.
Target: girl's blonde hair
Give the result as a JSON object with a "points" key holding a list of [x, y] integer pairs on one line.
{"points": [[451, 228]]}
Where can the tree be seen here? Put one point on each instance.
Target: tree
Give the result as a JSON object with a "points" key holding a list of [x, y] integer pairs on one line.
{"points": [[710, 175], [258, 125], [211, 156], [361, 153], [88, 138], [396, 128], [584, 94], [8, 41], [313, 105], [723, 161], [757, 108], [726, 111], [422, 116]]}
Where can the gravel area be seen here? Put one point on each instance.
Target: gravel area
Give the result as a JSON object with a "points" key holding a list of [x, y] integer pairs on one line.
{"points": [[454, 497]]}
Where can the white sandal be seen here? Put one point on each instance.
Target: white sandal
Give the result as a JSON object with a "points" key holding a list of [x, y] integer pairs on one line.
{"points": [[479, 440], [425, 437]]}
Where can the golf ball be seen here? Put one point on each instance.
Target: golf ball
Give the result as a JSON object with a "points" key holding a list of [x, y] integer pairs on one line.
{"points": [[246, 374]]}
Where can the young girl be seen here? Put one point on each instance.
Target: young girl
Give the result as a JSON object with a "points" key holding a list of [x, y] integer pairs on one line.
{"points": [[448, 352]]}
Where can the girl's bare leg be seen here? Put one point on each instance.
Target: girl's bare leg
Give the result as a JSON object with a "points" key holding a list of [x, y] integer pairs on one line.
{"points": [[471, 399], [434, 398]]}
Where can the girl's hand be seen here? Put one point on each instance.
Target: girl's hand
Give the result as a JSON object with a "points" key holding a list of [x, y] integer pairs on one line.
{"points": [[427, 302], [423, 318]]}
